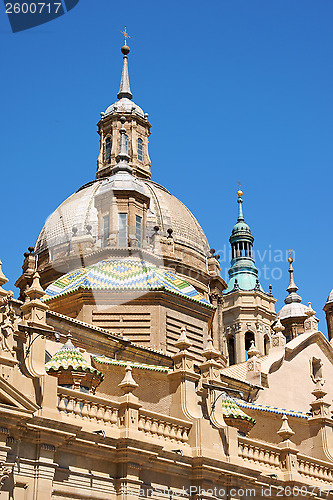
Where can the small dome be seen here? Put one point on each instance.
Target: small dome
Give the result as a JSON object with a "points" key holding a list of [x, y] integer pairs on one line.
{"points": [[70, 358], [124, 105], [234, 416], [293, 310], [240, 227]]}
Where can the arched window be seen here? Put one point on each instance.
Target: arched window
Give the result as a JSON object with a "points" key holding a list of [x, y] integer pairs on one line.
{"points": [[249, 337], [140, 149], [107, 150], [231, 350], [267, 344]]}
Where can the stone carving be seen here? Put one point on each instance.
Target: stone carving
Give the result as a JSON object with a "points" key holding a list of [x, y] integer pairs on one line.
{"points": [[316, 367], [8, 317]]}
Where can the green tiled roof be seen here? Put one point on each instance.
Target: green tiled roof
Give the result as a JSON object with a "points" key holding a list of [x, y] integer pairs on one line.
{"points": [[143, 366], [70, 358], [230, 409], [124, 274]]}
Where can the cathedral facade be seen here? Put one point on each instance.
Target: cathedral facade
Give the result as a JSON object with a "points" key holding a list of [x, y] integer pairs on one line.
{"points": [[130, 369]]}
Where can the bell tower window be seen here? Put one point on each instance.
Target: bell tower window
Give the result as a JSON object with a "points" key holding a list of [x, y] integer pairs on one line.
{"points": [[122, 230], [138, 229], [140, 149], [107, 150]]}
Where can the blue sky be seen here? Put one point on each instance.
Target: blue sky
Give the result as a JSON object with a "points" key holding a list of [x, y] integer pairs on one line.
{"points": [[235, 90]]}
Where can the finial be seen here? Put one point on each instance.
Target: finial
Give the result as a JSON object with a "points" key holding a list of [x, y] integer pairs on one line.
{"points": [[309, 311], [239, 192], [183, 343], [292, 287], [35, 291], [278, 327], [252, 351], [285, 431], [210, 352], [124, 89], [125, 48], [240, 202], [128, 384]]}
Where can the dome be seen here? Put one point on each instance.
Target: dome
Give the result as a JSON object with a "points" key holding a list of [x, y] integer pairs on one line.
{"points": [[124, 105], [79, 212], [240, 227], [293, 310]]}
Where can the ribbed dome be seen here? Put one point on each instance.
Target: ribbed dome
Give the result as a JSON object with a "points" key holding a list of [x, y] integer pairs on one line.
{"points": [[79, 212], [293, 310], [240, 227], [124, 105]]}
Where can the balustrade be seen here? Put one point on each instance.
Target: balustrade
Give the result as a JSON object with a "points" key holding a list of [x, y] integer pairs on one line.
{"points": [[260, 453], [87, 407], [163, 427]]}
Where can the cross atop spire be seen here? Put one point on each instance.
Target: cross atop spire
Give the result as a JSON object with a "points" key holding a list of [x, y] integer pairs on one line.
{"points": [[125, 89], [126, 35]]}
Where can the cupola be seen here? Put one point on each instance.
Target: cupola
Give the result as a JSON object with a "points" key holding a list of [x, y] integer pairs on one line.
{"points": [[137, 129]]}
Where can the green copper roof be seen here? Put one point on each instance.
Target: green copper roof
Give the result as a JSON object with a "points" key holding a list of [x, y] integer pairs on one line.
{"points": [[230, 409], [243, 274], [124, 274], [70, 358]]}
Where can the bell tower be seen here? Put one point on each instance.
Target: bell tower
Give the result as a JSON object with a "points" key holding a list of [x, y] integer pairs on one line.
{"points": [[248, 311], [137, 129]]}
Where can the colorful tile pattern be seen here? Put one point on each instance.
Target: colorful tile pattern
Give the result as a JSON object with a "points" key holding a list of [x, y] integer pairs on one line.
{"points": [[70, 358], [272, 409], [123, 274], [231, 409]]}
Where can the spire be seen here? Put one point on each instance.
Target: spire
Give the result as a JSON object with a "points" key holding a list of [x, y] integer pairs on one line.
{"points": [[240, 208], [123, 156], [243, 273], [124, 89], [292, 288]]}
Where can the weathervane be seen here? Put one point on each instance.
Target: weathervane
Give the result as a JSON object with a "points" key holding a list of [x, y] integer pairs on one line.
{"points": [[290, 253], [126, 35]]}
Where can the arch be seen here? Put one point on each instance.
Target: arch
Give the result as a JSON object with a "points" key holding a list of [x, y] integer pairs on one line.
{"points": [[140, 149], [267, 344], [231, 350], [107, 150], [249, 337]]}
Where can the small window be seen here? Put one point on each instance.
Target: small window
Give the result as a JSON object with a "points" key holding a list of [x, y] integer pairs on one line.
{"points": [[138, 229], [106, 230], [107, 152], [140, 149], [122, 230]]}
